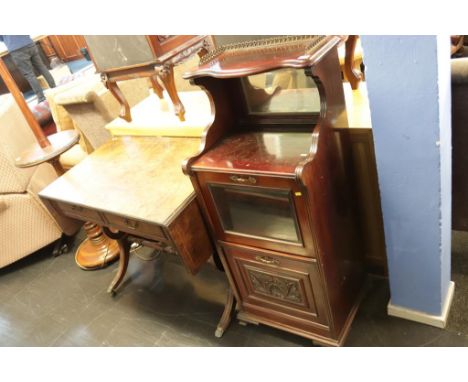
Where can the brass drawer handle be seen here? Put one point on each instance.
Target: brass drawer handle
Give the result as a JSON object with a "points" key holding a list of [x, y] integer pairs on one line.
{"points": [[131, 223], [243, 180], [267, 260]]}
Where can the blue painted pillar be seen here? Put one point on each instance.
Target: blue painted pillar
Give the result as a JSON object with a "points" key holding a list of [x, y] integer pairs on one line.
{"points": [[408, 82]]}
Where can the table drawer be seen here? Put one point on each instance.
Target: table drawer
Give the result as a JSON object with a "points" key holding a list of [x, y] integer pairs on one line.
{"points": [[137, 227], [79, 212]]}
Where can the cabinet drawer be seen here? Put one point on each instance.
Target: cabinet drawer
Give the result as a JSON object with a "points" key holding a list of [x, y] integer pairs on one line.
{"points": [[137, 227], [79, 212], [278, 286]]}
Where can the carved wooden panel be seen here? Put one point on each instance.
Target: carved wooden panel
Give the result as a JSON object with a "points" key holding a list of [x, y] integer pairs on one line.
{"points": [[167, 46], [276, 286]]}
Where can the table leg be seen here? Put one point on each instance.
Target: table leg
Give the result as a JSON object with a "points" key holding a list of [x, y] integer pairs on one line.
{"points": [[124, 247], [225, 320], [157, 88], [55, 162], [166, 74]]}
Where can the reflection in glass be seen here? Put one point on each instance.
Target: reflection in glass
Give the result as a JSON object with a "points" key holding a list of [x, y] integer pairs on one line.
{"points": [[281, 91], [256, 212]]}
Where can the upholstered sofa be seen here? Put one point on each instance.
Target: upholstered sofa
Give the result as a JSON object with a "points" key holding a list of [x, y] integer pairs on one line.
{"points": [[25, 223]]}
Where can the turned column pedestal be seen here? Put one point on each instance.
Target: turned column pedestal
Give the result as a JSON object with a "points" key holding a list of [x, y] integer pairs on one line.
{"points": [[97, 250]]}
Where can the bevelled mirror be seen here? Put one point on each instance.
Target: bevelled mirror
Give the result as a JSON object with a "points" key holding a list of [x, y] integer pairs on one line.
{"points": [[282, 91]]}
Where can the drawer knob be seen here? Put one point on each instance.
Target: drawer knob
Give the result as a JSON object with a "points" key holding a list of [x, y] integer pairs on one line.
{"points": [[267, 260], [243, 179]]}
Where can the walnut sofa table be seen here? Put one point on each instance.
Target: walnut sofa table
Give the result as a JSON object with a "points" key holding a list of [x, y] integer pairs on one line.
{"points": [[135, 189]]}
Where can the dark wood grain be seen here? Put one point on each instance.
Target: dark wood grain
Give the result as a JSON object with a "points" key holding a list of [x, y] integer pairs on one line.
{"points": [[189, 234], [297, 53], [257, 152]]}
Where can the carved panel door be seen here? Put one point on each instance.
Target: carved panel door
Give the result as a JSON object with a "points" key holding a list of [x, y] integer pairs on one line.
{"points": [[272, 284]]}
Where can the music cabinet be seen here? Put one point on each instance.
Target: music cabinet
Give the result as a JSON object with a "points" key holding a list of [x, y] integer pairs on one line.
{"points": [[273, 182]]}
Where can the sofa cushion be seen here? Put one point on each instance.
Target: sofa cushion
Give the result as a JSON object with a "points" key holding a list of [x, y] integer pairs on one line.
{"points": [[26, 227], [72, 157]]}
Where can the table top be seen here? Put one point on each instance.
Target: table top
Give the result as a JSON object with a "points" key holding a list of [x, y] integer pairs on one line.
{"points": [[155, 117], [59, 143], [137, 177]]}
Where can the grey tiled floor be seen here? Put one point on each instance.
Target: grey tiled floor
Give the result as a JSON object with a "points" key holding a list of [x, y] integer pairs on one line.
{"points": [[46, 301]]}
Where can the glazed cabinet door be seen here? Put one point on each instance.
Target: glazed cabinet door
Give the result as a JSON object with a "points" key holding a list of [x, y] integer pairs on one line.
{"points": [[264, 212], [278, 287]]}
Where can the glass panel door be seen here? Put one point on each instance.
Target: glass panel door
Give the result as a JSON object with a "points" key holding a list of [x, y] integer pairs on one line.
{"points": [[257, 212]]}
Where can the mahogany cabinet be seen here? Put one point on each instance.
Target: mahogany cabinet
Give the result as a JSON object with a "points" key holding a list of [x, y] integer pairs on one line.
{"points": [[273, 180], [66, 47]]}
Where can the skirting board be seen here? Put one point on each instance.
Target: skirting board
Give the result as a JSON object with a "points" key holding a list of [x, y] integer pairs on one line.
{"points": [[424, 318]]}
